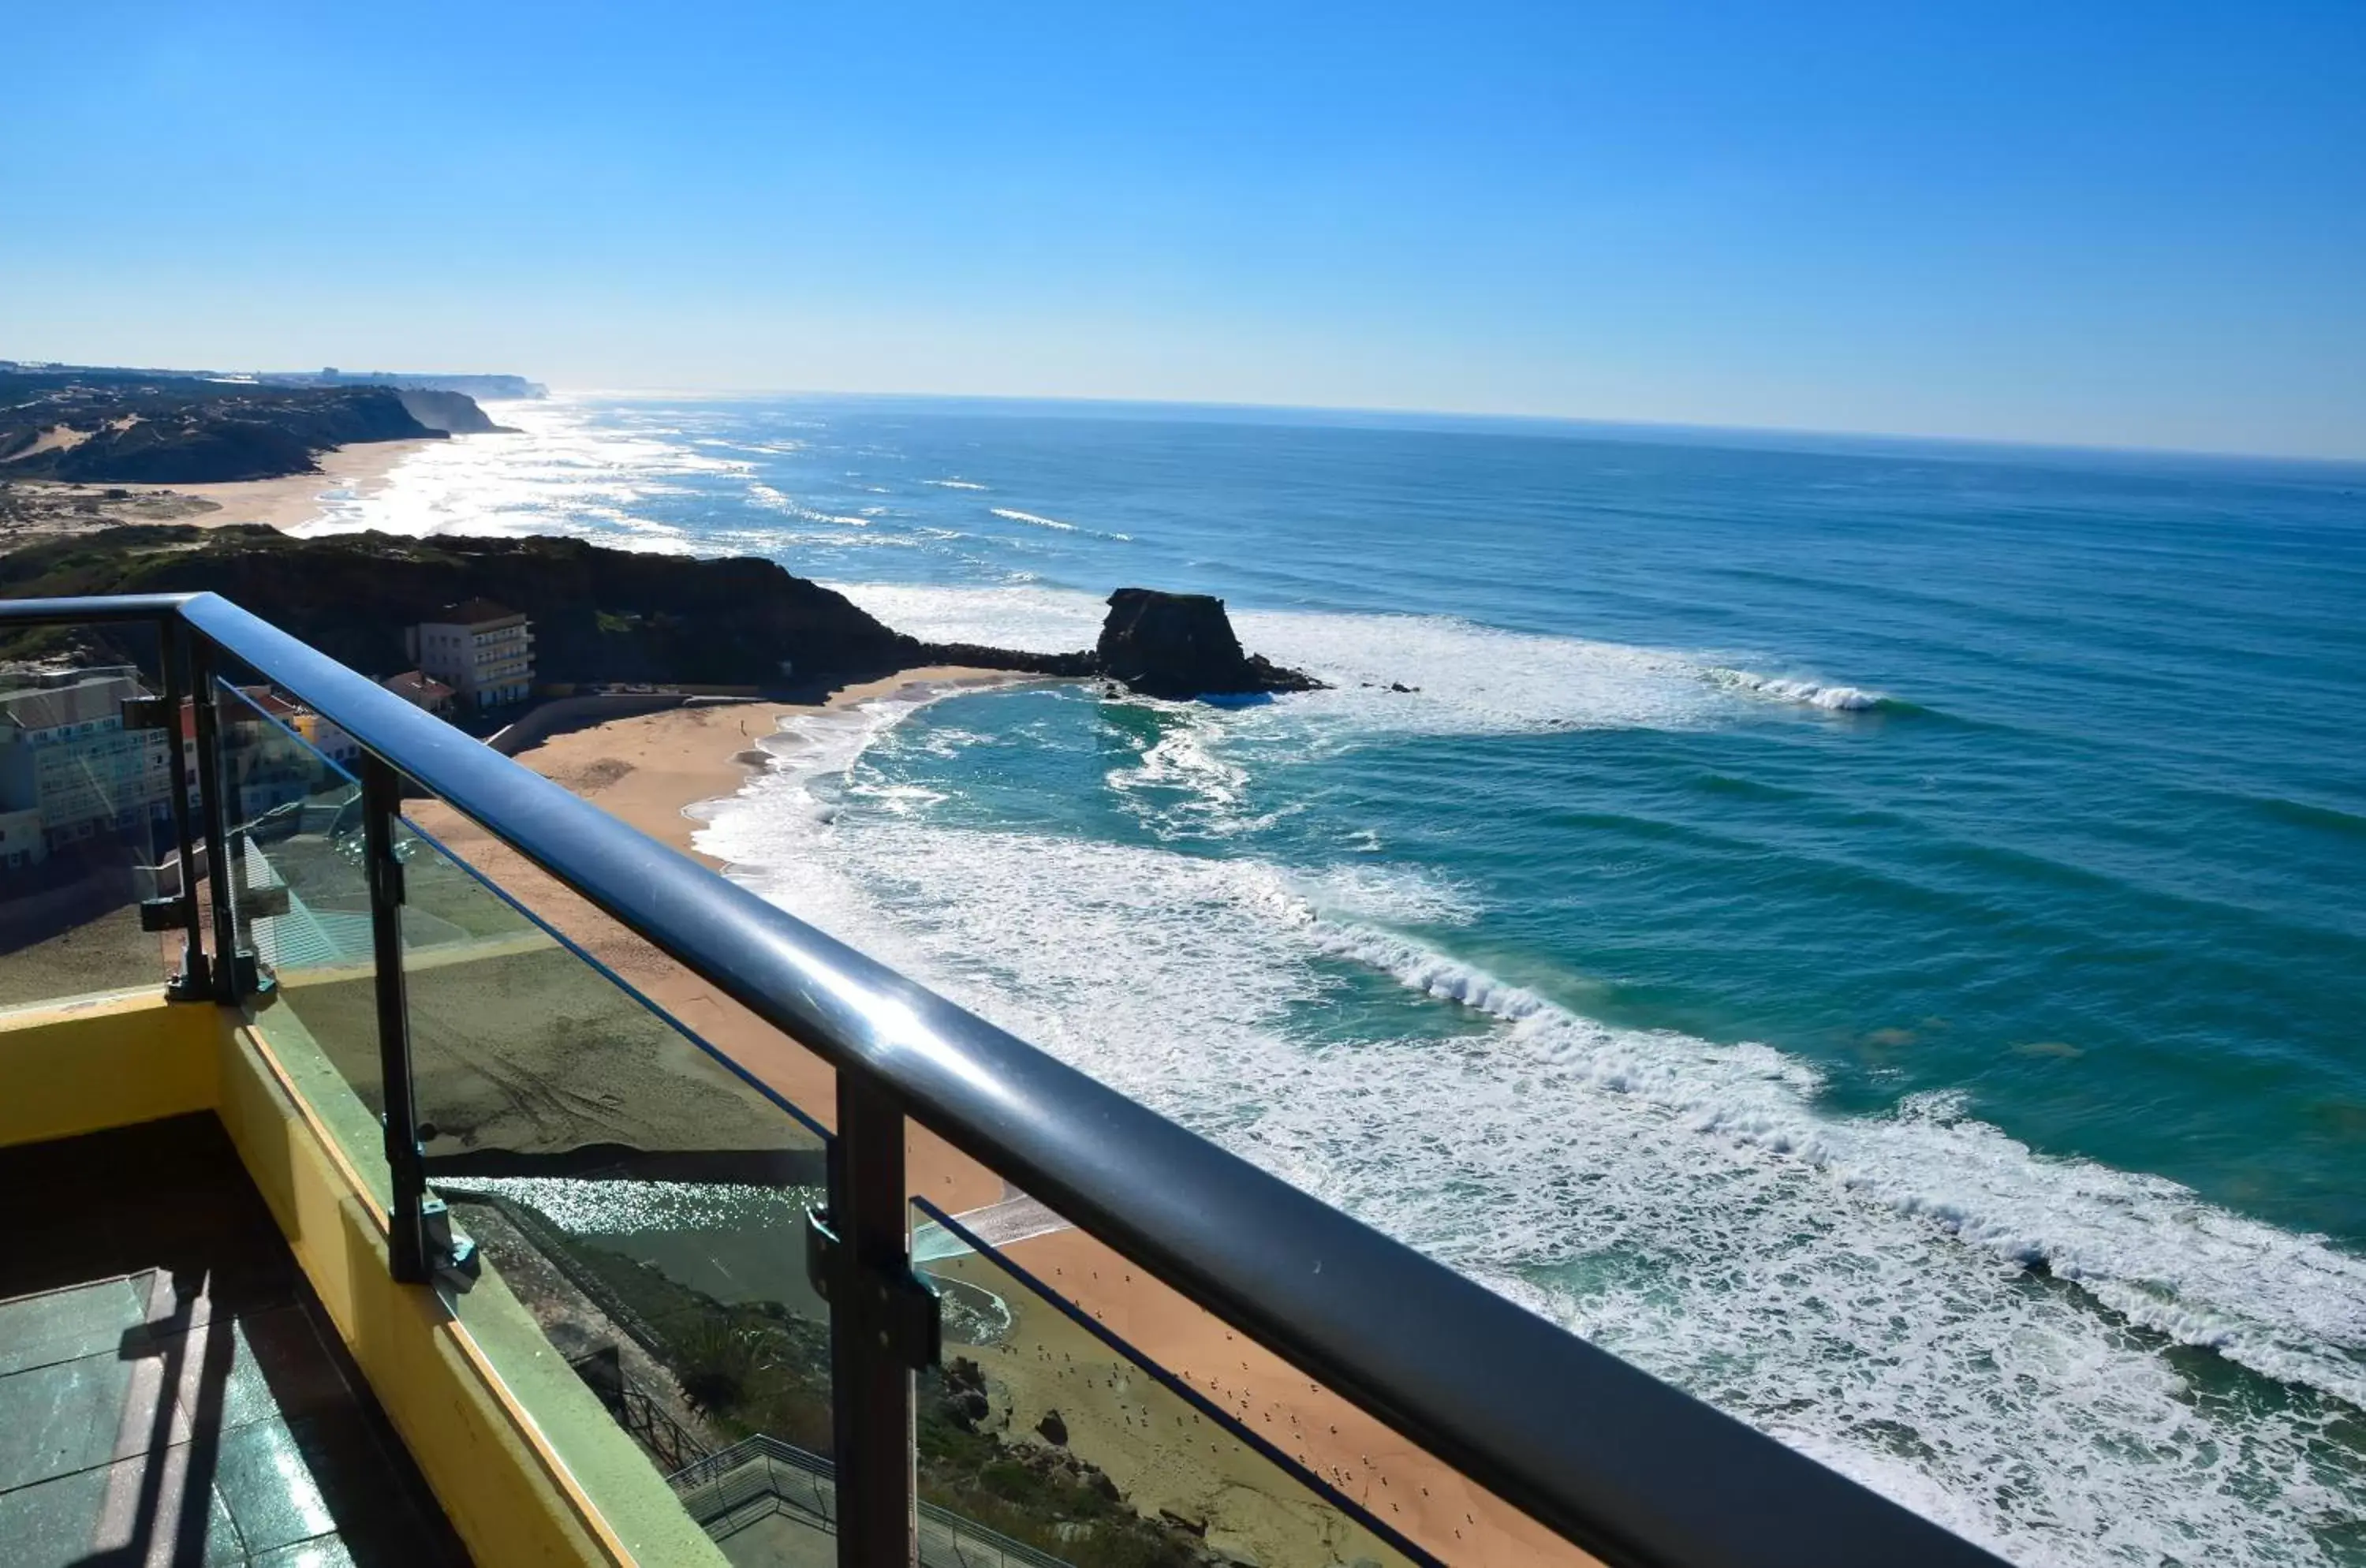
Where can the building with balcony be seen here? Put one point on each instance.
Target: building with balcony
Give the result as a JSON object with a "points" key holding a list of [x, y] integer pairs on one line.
{"points": [[482, 650]]}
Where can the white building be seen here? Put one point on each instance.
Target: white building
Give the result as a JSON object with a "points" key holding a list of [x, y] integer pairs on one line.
{"points": [[482, 650], [69, 771]]}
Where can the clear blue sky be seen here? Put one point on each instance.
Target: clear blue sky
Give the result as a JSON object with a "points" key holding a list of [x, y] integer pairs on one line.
{"points": [[2139, 224]]}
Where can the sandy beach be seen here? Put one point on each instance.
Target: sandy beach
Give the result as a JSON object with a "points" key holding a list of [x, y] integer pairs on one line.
{"points": [[39, 506], [649, 771]]}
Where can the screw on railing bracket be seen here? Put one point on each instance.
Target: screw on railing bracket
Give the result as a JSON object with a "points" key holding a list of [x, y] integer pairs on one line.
{"points": [[900, 1306]]}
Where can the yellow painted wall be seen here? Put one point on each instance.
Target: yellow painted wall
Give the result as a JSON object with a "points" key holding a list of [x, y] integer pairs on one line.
{"points": [[111, 1062], [118, 1061]]}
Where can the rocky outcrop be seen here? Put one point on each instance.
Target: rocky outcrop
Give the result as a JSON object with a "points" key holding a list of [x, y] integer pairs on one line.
{"points": [[1182, 645]]}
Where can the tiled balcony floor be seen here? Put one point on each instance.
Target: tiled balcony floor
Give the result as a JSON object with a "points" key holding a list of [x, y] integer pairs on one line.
{"points": [[171, 1392]]}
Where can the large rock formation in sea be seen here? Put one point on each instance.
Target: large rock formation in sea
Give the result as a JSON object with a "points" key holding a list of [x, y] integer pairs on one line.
{"points": [[1182, 645]]}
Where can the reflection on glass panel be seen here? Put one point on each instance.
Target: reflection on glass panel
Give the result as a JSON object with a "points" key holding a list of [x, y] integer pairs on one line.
{"points": [[1044, 1425], [299, 900], [86, 816], [642, 1202]]}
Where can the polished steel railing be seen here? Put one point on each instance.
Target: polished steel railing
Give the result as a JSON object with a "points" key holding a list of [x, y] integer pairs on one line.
{"points": [[1600, 1453]]}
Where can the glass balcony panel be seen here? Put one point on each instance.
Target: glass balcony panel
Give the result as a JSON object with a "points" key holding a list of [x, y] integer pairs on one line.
{"points": [[641, 1201], [85, 817], [299, 903], [755, 1048], [1047, 1423]]}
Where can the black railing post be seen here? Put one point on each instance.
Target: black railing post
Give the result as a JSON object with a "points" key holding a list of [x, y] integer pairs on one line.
{"points": [[212, 787], [196, 978], [406, 1163], [871, 1353]]}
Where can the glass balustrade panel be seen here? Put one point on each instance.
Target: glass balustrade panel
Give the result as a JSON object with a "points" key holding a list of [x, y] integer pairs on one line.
{"points": [[298, 886], [639, 1205], [1050, 1425], [86, 832]]}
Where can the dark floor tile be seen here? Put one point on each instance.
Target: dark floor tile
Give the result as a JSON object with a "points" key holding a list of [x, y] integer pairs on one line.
{"points": [[127, 1515], [262, 1367], [65, 1324], [328, 1551], [208, 1321], [77, 1415], [263, 1475]]}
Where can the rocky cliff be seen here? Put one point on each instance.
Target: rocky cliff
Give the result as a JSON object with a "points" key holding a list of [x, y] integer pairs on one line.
{"points": [[1182, 645], [144, 427], [454, 414], [598, 614]]}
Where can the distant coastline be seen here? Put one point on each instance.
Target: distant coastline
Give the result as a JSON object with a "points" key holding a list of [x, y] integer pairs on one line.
{"points": [[84, 447]]}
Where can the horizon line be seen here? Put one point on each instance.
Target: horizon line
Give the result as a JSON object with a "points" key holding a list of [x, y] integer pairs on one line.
{"points": [[2207, 454], [1794, 432]]}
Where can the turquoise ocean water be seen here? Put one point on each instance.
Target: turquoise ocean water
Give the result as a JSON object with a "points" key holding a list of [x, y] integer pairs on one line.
{"points": [[1873, 932]]}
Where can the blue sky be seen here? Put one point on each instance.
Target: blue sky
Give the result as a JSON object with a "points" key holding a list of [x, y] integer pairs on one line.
{"points": [[2121, 224]]}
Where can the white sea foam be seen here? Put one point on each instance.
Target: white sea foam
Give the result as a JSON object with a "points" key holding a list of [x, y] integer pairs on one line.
{"points": [[562, 472], [1812, 694], [766, 496], [954, 484], [1030, 518], [1468, 679], [1857, 1286]]}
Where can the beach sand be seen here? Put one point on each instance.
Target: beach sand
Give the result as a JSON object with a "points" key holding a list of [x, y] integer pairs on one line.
{"points": [[649, 771], [38, 506]]}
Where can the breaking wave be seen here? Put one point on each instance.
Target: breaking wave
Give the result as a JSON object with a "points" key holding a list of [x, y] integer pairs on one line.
{"points": [[1915, 1298], [1810, 694]]}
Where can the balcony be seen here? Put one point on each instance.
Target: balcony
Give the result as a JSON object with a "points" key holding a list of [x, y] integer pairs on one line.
{"points": [[443, 1170]]}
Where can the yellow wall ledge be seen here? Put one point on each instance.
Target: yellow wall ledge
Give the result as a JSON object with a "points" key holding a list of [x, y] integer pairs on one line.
{"points": [[104, 1062]]}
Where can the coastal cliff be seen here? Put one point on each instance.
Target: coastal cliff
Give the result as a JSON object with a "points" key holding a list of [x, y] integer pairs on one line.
{"points": [[141, 427], [598, 614]]}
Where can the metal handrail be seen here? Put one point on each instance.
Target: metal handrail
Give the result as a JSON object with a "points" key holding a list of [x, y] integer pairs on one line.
{"points": [[1620, 1463]]}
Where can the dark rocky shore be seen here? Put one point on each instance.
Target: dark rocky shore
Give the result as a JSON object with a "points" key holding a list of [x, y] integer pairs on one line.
{"points": [[601, 615]]}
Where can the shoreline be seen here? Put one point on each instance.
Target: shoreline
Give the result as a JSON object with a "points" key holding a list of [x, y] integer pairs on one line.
{"points": [[286, 503], [653, 772]]}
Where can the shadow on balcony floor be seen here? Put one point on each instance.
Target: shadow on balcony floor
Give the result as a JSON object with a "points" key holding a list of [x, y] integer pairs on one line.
{"points": [[171, 1391]]}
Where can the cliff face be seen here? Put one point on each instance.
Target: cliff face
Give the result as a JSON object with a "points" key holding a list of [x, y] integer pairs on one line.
{"points": [[133, 427], [451, 413], [1182, 645]]}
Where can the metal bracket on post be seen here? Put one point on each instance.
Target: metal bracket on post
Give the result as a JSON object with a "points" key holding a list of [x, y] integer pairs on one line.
{"points": [[453, 1262], [877, 1330], [900, 1304]]}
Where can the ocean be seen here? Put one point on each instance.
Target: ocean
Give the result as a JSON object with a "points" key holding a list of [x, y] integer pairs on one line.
{"points": [[1874, 932]]}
